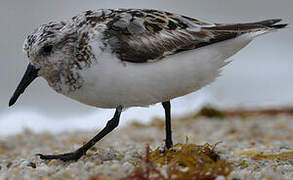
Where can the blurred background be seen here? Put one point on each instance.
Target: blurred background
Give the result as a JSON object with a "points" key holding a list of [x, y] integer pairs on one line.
{"points": [[260, 75]]}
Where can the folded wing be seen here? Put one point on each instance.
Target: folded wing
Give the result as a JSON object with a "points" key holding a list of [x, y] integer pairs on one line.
{"points": [[149, 35]]}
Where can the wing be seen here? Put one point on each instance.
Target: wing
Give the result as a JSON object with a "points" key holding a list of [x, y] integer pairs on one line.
{"points": [[141, 35]]}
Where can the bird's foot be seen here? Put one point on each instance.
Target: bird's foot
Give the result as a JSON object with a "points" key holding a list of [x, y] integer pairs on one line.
{"points": [[73, 156], [168, 147], [168, 144]]}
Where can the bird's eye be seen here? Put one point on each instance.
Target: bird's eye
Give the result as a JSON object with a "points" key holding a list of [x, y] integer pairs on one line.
{"points": [[47, 50]]}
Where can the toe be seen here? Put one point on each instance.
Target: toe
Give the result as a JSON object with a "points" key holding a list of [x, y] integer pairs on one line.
{"points": [[64, 157]]}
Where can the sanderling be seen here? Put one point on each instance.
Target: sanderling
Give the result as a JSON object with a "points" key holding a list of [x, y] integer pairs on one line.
{"points": [[131, 57]]}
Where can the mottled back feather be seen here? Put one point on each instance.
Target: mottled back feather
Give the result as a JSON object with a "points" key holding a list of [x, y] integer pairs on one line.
{"points": [[140, 35]]}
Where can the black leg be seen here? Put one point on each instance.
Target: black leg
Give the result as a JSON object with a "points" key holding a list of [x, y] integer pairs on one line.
{"points": [[167, 107], [112, 124]]}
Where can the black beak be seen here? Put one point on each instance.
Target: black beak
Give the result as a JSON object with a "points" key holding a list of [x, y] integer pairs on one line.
{"points": [[30, 74]]}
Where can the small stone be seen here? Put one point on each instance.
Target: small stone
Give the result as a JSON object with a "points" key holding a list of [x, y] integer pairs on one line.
{"points": [[93, 148], [285, 149], [290, 161], [220, 178], [114, 167], [9, 164], [52, 162]]}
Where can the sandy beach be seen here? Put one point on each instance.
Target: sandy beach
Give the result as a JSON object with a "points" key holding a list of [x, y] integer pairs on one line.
{"points": [[247, 145]]}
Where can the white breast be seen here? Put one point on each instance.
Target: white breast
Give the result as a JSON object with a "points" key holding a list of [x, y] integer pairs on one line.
{"points": [[111, 82]]}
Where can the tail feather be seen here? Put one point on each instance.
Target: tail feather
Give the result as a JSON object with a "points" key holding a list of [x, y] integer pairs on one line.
{"points": [[222, 32], [268, 22], [279, 26], [248, 27], [272, 23]]}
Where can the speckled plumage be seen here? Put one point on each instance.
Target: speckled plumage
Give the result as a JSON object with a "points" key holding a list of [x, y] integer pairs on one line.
{"points": [[129, 35]]}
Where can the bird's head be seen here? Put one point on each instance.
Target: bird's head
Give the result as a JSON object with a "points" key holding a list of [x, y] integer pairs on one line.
{"points": [[50, 48]]}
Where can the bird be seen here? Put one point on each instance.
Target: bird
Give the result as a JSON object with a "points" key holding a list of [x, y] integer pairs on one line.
{"points": [[122, 58]]}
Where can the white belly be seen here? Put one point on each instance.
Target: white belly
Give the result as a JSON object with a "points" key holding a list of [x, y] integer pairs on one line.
{"points": [[111, 82]]}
